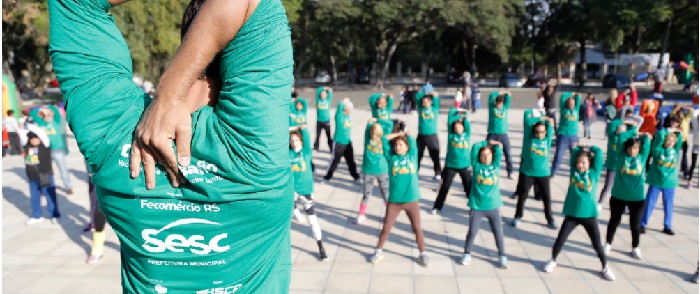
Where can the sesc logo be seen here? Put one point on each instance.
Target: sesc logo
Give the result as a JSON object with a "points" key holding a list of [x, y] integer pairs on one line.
{"points": [[178, 243], [227, 290]]}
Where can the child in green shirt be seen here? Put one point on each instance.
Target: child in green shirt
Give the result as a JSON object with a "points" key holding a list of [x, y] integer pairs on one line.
{"points": [[485, 198], [324, 99], [374, 164], [663, 175], [580, 205], [458, 159], [567, 133], [300, 155], [404, 192], [342, 142], [628, 189]]}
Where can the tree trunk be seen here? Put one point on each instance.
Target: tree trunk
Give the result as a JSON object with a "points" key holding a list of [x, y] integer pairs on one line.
{"points": [[582, 80], [472, 55], [664, 46], [387, 60], [467, 63], [334, 69]]}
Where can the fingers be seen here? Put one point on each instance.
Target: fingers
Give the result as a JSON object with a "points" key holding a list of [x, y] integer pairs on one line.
{"points": [[149, 166], [135, 160], [183, 143]]}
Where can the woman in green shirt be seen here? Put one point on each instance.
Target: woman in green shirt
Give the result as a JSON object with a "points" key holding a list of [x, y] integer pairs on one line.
{"points": [[428, 111], [485, 199], [404, 192], [300, 155], [374, 165], [459, 131], [628, 189], [535, 166], [580, 205]]}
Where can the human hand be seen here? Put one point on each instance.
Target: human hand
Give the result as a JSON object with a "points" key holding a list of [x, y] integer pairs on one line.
{"points": [[162, 122]]}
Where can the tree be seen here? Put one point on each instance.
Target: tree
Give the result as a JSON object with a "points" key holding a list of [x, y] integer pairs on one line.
{"points": [[25, 29]]}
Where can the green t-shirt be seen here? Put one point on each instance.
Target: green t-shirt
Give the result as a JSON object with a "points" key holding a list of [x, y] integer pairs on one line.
{"points": [[427, 117], [297, 117], [323, 106], [568, 118], [581, 200], [53, 129], [485, 193], [343, 126], [630, 172], [663, 171], [301, 166], [403, 176], [535, 153], [373, 160], [458, 145], [498, 118], [201, 237], [384, 113], [614, 142]]}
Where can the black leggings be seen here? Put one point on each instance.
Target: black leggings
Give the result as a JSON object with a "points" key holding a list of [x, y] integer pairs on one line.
{"points": [[326, 127], [693, 162], [542, 187], [343, 151], [98, 218], [591, 226], [448, 175], [684, 158], [433, 145], [617, 208]]}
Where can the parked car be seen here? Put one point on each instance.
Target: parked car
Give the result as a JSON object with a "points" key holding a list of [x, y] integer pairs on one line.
{"points": [[616, 81], [361, 76], [509, 80], [454, 77], [535, 80], [323, 77]]}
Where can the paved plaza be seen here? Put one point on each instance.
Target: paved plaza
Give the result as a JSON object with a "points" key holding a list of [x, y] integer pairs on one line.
{"points": [[46, 258]]}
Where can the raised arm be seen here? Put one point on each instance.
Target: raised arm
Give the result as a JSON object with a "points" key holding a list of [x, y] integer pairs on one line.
{"points": [[168, 117], [506, 100], [597, 164], [492, 98], [373, 100]]}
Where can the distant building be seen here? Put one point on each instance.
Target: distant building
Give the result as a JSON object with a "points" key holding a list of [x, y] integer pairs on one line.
{"points": [[600, 63]]}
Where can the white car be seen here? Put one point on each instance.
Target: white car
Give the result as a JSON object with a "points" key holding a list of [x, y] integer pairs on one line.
{"points": [[323, 77]]}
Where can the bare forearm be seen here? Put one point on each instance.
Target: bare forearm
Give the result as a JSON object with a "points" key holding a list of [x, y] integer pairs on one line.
{"points": [[201, 44]]}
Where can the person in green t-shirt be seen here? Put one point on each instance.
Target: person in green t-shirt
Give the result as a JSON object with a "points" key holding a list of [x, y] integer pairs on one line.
{"points": [[190, 236], [615, 129], [374, 165], [300, 155], [567, 133], [428, 111], [485, 198], [628, 189], [535, 166], [527, 115], [297, 111], [458, 160], [342, 142], [324, 99], [49, 118], [580, 205], [499, 104], [663, 175], [404, 193]]}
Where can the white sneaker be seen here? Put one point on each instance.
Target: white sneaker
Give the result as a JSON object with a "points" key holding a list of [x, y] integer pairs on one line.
{"points": [[503, 262], [54, 220], [435, 211], [360, 218], [636, 253], [607, 274], [466, 259], [550, 266], [515, 223], [606, 248], [600, 207], [32, 221], [438, 177], [299, 216]]}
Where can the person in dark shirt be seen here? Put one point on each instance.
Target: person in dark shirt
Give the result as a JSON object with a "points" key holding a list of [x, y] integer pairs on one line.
{"points": [[548, 93], [40, 174]]}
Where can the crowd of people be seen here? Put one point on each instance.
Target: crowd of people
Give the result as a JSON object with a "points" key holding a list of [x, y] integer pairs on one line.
{"points": [[642, 149]]}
